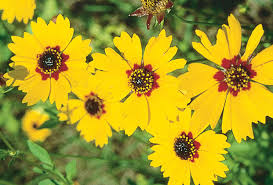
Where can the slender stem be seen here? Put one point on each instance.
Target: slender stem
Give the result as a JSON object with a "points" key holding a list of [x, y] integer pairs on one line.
{"points": [[6, 141], [196, 22], [3, 182], [75, 156]]}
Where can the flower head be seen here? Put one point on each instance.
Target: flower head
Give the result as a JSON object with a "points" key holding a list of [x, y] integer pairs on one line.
{"points": [[234, 88], [183, 152], [142, 83], [48, 63], [153, 8], [31, 123], [22, 10], [96, 111]]}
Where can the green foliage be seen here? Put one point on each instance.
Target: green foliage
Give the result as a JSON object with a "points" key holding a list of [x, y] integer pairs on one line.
{"points": [[40, 153]]}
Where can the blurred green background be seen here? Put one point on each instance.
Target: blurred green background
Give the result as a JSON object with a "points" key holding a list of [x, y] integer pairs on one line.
{"points": [[124, 160]]}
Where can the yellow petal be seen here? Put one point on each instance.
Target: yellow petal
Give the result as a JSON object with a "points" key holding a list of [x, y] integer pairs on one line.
{"points": [[158, 51], [253, 42], [53, 34], [234, 34], [94, 129], [263, 57], [264, 73], [129, 47], [207, 108], [78, 49], [198, 79]]}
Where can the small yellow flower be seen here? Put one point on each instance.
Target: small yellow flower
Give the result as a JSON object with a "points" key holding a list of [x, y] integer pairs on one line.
{"points": [[48, 63], [153, 8], [22, 10], [235, 88], [184, 152], [30, 124], [96, 111], [149, 94]]}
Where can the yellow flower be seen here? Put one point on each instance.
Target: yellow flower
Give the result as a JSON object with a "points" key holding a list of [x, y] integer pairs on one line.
{"points": [[235, 87], [153, 8], [183, 152], [48, 63], [30, 124], [22, 10], [151, 93], [96, 111]]}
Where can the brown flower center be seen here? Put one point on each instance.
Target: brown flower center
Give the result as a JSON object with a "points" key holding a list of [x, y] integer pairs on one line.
{"points": [[94, 105], [142, 79], [236, 75], [185, 147], [51, 62]]}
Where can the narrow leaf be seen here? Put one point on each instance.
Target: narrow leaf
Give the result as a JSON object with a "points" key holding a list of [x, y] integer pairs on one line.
{"points": [[71, 170], [39, 152]]}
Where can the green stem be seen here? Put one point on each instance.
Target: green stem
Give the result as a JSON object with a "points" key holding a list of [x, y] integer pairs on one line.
{"points": [[76, 156], [6, 141], [47, 171], [196, 22], [3, 182]]}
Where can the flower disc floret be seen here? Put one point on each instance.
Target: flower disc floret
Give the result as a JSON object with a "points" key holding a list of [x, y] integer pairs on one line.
{"points": [[51, 62], [142, 79], [186, 147], [94, 105], [236, 75]]}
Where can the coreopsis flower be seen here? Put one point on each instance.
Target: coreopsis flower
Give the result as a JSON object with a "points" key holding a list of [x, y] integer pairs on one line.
{"points": [[152, 8], [31, 122], [22, 10], [48, 63], [96, 111], [185, 152], [142, 83], [235, 87]]}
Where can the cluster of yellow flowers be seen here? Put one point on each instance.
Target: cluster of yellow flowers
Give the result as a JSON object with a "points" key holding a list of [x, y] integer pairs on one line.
{"points": [[130, 88]]}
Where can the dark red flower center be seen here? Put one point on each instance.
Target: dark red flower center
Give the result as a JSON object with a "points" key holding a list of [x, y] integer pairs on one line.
{"points": [[34, 125], [51, 62], [142, 79], [94, 105], [236, 75], [186, 147]]}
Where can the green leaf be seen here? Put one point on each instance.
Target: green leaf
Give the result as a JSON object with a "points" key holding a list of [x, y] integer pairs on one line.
{"points": [[49, 124], [40, 153], [71, 170], [46, 182]]}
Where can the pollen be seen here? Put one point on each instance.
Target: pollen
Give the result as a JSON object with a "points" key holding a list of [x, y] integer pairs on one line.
{"points": [[185, 147], [50, 60], [236, 75], [142, 80]]}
